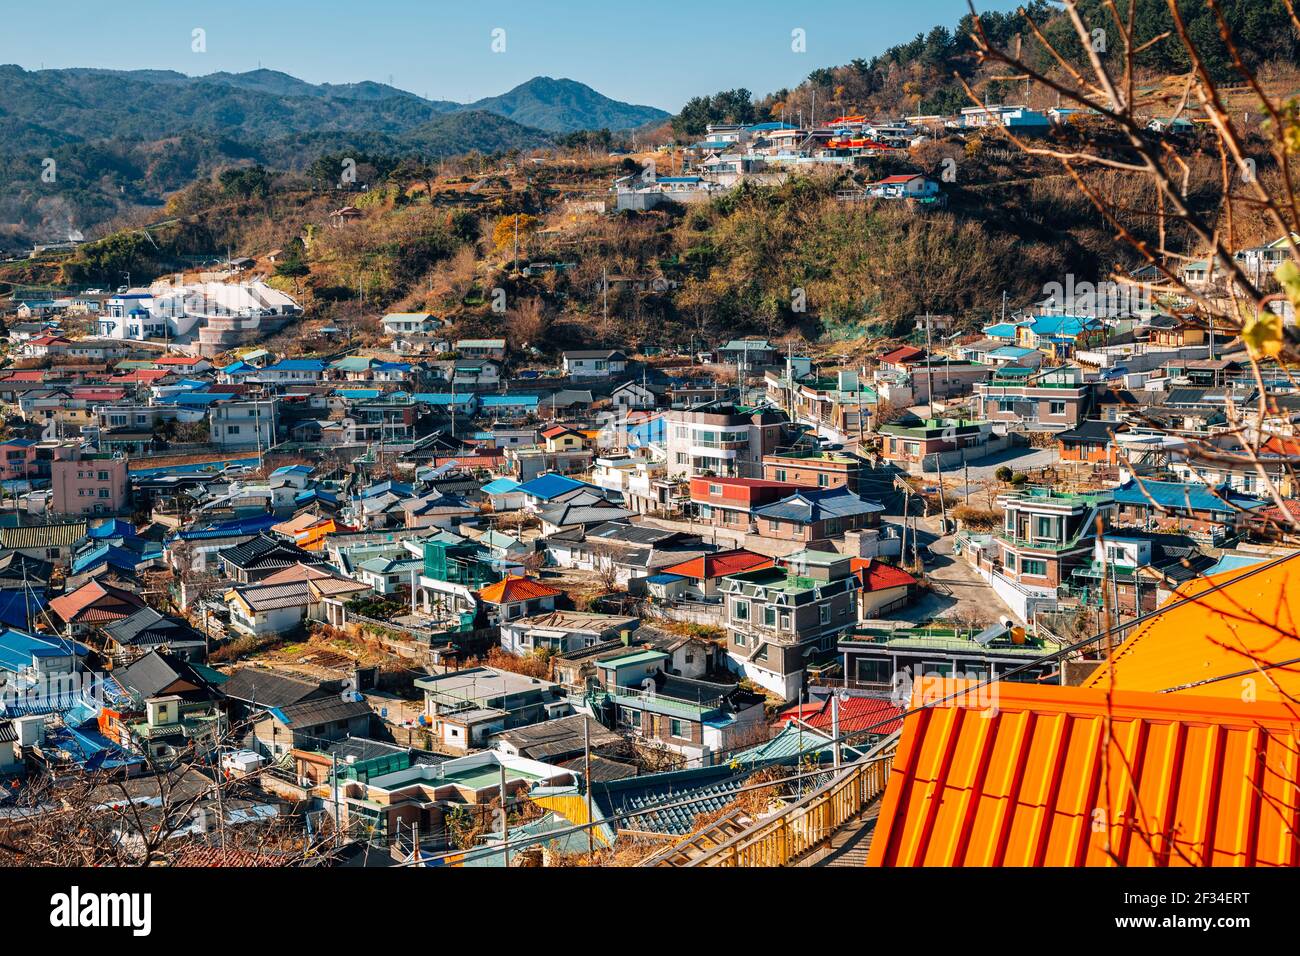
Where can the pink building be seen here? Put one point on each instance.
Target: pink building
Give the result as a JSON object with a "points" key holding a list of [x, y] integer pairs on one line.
{"points": [[91, 485], [17, 459]]}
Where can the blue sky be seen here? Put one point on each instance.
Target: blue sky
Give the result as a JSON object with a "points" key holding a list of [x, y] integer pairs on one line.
{"points": [[658, 54]]}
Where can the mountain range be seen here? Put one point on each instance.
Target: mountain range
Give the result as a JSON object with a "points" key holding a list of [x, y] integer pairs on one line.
{"points": [[90, 104], [124, 139]]}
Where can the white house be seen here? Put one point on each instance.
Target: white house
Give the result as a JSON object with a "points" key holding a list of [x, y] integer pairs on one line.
{"points": [[595, 363]]}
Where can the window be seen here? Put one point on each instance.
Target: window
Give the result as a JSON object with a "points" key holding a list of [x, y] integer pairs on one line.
{"points": [[826, 613], [738, 639], [785, 620], [769, 616], [1045, 527], [823, 480], [1056, 408], [677, 728], [780, 474], [740, 611], [715, 490], [1033, 568], [875, 671], [937, 668], [103, 476]]}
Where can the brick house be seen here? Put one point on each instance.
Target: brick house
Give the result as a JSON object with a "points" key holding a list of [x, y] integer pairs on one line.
{"points": [[818, 469], [816, 515], [730, 502]]}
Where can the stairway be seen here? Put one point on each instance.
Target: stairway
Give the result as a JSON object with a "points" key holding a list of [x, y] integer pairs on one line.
{"points": [[850, 843]]}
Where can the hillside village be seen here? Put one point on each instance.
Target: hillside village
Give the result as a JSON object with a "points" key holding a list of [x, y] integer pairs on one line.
{"points": [[471, 567]]}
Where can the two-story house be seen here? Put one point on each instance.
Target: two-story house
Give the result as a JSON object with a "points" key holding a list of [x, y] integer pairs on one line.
{"points": [[782, 619]]}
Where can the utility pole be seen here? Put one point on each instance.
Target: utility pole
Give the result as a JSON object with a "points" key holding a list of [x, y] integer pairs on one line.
{"points": [[505, 818], [929, 368], [586, 779], [334, 780], [835, 727]]}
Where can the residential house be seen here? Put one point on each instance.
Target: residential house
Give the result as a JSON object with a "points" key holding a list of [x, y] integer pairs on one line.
{"points": [[816, 515], [481, 348], [594, 363], [935, 443], [721, 438], [1054, 400], [894, 655], [783, 619], [89, 485], [703, 721], [308, 723], [818, 469], [464, 708], [515, 597], [560, 632]]}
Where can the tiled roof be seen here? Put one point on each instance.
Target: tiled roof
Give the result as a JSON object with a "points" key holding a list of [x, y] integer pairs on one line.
{"points": [[95, 601], [878, 715], [516, 589], [878, 576], [809, 506], [323, 710], [1067, 776], [267, 688], [43, 535], [719, 564]]}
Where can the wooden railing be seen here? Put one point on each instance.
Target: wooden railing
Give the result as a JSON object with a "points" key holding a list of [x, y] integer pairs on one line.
{"points": [[804, 826]]}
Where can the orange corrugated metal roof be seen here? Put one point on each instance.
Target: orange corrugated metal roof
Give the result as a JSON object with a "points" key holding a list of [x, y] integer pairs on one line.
{"points": [[1214, 643], [1184, 781]]}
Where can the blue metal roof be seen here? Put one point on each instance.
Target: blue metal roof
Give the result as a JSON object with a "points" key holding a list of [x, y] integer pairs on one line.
{"points": [[550, 486], [444, 398], [493, 401], [230, 529], [297, 365], [1178, 496], [501, 486]]}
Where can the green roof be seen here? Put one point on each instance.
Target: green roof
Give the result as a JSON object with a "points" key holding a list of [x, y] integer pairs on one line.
{"points": [[636, 657]]}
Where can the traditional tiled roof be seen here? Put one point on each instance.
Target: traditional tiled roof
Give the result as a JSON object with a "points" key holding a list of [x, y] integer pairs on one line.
{"points": [[43, 535], [94, 602]]}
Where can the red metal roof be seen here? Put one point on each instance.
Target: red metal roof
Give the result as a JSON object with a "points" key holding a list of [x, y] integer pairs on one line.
{"points": [[880, 715], [878, 576], [719, 564], [904, 353]]}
